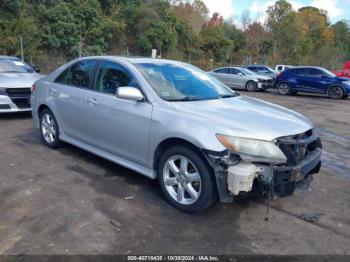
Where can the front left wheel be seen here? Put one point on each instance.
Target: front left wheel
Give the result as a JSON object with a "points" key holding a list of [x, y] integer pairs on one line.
{"points": [[335, 92], [49, 129], [186, 179]]}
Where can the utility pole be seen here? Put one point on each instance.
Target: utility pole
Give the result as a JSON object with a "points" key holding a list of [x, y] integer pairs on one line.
{"points": [[22, 52], [80, 49]]}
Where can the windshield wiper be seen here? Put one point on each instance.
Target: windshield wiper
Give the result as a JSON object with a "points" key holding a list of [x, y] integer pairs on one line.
{"points": [[229, 95], [13, 71], [185, 98]]}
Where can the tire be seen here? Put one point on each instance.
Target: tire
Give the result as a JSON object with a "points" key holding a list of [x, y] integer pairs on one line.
{"points": [[284, 89], [251, 86], [49, 129], [190, 193], [335, 92]]}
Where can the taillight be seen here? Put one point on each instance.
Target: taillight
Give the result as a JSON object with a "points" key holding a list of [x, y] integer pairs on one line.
{"points": [[279, 74], [33, 88]]}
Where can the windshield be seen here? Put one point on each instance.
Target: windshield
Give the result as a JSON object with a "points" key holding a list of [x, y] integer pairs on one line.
{"points": [[328, 73], [246, 71], [183, 82], [9, 65]]}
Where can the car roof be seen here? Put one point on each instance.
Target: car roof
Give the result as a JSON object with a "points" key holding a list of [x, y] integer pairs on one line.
{"points": [[8, 57], [133, 60], [305, 67]]}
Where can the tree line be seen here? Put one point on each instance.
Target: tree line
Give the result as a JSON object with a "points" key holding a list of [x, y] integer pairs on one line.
{"points": [[178, 29]]}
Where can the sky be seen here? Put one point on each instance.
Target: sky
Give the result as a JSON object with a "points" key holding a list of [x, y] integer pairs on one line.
{"points": [[337, 9]]}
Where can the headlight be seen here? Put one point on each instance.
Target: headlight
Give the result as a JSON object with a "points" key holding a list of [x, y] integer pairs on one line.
{"points": [[253, 150]]}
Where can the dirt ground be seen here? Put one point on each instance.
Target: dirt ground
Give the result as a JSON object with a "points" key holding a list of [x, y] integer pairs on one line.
{"points": [[68, 201]]}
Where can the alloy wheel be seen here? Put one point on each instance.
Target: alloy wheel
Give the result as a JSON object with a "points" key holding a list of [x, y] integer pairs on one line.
{"points": [[335, 92], [182, 180], [283, 89], [48, 128]]}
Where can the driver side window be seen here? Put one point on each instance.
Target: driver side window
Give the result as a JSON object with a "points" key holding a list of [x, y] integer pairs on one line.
{"points": [[111, 76]]}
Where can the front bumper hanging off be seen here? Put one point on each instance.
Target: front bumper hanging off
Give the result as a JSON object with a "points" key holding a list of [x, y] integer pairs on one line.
{"points": [[304, 160]]}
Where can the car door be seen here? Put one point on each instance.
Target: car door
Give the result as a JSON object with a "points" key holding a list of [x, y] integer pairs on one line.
{"points": [[237, 78], [117, 126], [313, 81], [67, 96], [223, 74]]}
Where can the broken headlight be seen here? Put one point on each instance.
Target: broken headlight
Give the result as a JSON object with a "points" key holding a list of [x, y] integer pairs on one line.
{"points": [[252, 150]]}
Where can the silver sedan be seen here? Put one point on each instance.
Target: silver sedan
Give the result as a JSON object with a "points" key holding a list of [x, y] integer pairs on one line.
{"points": [[16, 80], [172, 121], [241, 78]]}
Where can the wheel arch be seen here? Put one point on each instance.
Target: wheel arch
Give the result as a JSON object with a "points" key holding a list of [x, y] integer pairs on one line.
{"points": [[41, 108], [337, 85], [170, 142]]}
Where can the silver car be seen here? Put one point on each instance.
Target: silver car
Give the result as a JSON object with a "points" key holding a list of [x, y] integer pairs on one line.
{"points": [[16, 80], [241, 78], [172, 121]]}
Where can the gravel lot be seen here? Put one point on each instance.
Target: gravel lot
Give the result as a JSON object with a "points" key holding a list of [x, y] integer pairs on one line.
{"points": [[68, 201]]}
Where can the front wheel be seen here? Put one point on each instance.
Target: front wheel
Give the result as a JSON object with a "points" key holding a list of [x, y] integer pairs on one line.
{"points": [[284, 89], [252, 86], [186, 180], [49, 129], [335, 92]]}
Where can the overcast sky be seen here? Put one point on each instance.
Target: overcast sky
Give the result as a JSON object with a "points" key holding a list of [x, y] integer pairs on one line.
{"points": [[337, 9]]}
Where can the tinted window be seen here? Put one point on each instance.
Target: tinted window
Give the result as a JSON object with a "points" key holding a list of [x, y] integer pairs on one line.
{"points": [[62, 77], [280, 68], [222, 71], [253, 68], [235, 71], [79, 74], [313, 72], [111, 76], [297, 71]]}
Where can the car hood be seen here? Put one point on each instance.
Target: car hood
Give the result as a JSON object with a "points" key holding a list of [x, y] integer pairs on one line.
{"points": [[245, 117], [17, 80], [263, 77], [343, 79]]}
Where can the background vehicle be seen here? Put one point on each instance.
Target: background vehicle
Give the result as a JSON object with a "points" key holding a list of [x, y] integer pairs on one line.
{"points": [[345, 72], [312, 80], [236, 77], [173, 121], [261, 70], [281, 68], [16, 80]]}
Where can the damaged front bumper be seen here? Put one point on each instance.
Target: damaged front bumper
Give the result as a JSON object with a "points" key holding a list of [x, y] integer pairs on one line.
{"points": [[235, 177]]}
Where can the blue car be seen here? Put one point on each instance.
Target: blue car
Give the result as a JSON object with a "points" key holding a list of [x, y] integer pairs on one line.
{"points": [[312, 80]]}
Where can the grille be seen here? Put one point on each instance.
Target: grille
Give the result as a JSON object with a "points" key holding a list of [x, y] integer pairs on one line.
{"points": [[298, 147], [19, 96]]}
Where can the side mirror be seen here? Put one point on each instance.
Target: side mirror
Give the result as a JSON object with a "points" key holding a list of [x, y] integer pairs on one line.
{"points": [[35, 68], [129, 93], [240, 74]]}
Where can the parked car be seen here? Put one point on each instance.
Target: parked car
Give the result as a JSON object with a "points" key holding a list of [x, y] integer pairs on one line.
{"points": [[236, 77], [16, 80], [262, 70], [281, 68], [172, 121], [345, 72], [312, 80]]}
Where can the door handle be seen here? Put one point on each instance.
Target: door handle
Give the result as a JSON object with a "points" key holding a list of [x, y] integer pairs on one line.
{"points": [[92, 101]]}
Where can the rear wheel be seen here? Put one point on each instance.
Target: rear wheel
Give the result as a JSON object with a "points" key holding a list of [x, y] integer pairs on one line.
{"points": [[252, 86], [284, 89], [186, 179], [49, 129], [335, 92]]}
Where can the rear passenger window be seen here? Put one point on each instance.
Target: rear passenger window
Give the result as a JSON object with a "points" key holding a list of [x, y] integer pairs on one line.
{"points": [[79, 74], [222, 71], [111, 76]]}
